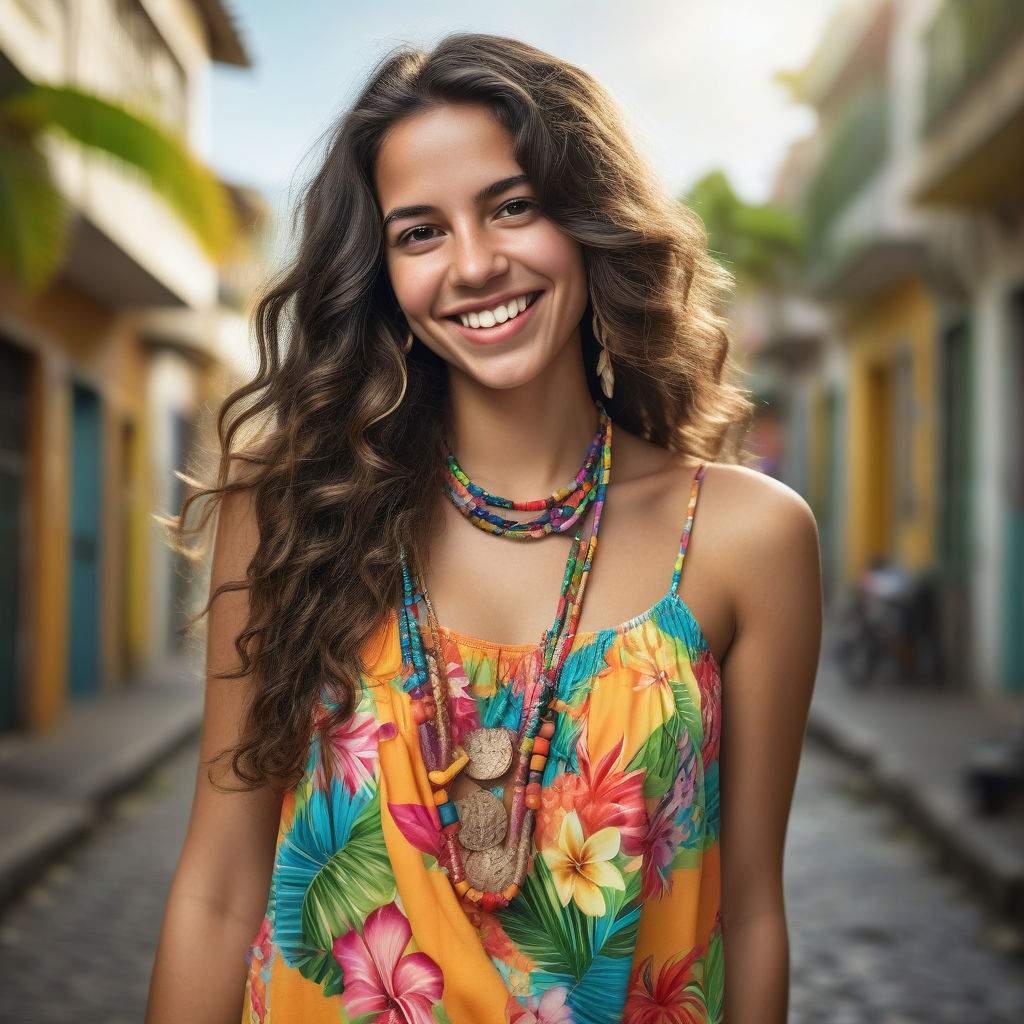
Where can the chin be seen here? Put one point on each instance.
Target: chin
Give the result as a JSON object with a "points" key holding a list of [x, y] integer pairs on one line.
{"points": [[507, 374]]}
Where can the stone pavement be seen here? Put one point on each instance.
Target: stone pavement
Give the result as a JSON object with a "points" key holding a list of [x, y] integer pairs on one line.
{"points": [[913, 743], [878, 932], [55, 785]]}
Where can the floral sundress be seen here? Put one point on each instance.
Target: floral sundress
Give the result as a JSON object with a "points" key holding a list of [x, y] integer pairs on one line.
{"points": [[619, 918]]}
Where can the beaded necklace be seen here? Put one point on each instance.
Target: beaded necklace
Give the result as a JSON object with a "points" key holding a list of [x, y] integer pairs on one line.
{"points": [[496, 846]]}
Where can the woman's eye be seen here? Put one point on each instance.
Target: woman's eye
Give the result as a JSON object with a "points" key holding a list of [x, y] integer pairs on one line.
{"points": [[408, 236], [528, 204], [516, 207]]}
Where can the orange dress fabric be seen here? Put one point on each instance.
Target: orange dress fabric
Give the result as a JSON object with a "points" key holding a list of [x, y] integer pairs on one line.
{"points": [[619, 918]]}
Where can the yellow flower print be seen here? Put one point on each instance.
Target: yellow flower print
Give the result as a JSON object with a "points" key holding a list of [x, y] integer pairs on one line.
{"points": [[646, 653], [580, 867]]}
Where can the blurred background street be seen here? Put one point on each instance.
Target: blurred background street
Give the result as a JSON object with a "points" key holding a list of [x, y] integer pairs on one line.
{"points": [[859, 167]]}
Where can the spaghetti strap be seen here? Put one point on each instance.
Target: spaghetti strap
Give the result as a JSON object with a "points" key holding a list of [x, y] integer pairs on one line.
{"points": [[694, 490]]}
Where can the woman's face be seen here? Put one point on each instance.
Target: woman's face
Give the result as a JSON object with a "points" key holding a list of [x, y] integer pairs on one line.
{"points": [[476, 241]]}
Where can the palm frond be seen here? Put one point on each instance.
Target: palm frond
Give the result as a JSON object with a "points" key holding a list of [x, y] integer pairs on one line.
{"points": [[187, 185], [34, 217]]}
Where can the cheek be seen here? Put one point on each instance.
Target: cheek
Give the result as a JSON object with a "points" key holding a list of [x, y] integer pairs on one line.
{"points": [[412, 287], [565, 260]]}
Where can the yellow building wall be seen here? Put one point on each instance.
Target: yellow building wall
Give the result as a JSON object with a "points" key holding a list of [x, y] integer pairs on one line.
{"points": [[878, 522]]}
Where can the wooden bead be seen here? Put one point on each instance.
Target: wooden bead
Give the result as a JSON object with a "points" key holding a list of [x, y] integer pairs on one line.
{"points": [[537, 762], [547, 730], [453, 828], [448, 813], [443, 778], [423, 711], [474, 895], [462, 887], [493, 901], [440, 797], [511, 892], [541, 746]]}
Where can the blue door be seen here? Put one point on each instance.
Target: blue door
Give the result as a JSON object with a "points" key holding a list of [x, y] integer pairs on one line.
{"points": [[956, 494], [84, 557]]}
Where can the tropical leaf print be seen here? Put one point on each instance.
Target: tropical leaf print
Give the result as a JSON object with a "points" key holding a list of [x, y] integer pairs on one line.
{"points": [[332, 869], [558, 939]]}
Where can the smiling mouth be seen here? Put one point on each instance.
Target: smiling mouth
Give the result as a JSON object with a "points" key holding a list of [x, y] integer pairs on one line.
{"points": [[530, 300]]}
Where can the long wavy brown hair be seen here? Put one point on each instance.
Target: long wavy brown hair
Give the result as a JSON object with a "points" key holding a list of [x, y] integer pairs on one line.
{"points": [[340, 435]]}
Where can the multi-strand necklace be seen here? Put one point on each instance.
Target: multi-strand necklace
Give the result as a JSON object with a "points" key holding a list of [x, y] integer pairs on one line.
{"points": [[485, 851]]}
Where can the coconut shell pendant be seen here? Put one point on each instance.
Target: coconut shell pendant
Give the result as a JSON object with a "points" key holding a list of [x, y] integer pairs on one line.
{"points": [[490, 753], [484, 821]]}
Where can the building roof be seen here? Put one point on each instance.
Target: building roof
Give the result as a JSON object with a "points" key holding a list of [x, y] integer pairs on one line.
{"points": [[226, 44]]}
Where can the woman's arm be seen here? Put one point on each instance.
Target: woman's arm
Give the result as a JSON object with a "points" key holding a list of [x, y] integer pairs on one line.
{"points": [[219, 892], [767, 679]]}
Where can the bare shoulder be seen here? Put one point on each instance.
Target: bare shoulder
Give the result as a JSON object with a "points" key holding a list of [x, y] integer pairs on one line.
{"points": [[757, 508], [759, 544]]}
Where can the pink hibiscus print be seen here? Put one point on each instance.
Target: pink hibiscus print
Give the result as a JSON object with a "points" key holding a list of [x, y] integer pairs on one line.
{"points": [[461, 705], [352, 750], [378, 978], [420, 825], [709, 683], [549, 1009]]}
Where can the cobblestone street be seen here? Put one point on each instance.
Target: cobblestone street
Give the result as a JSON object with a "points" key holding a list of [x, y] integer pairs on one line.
{"points": [[876, 933]]}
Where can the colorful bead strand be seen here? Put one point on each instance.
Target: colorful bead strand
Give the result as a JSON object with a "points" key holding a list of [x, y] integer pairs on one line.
{"points": [[426, 679]]}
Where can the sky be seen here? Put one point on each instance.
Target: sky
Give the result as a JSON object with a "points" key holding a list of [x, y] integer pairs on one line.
{"points": [[693, 77]]}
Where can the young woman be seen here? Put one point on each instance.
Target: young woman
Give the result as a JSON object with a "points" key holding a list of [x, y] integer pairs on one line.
{"points": [[455, 768]]}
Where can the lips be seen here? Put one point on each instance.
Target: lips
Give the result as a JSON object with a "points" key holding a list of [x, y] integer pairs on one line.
{"points": [[531, 297], [499, 332]]}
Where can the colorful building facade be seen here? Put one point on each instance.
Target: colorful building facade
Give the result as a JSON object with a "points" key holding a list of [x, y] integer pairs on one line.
{"points": [[105, 373]]}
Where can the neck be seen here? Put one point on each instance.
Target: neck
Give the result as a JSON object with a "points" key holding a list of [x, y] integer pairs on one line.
{"points": [[526, 442]]}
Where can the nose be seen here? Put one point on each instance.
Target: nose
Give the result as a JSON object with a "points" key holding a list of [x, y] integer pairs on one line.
{"points": [[476, 258]]}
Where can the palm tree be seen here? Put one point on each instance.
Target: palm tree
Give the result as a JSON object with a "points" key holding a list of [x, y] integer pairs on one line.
{"points": [[760, 245], [35, 219]]}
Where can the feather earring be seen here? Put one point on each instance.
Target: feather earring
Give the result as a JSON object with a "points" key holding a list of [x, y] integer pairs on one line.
{"points": [[604, 362]]}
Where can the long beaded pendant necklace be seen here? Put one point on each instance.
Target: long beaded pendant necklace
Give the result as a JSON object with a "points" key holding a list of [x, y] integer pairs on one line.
{"points": [[485, 852]]}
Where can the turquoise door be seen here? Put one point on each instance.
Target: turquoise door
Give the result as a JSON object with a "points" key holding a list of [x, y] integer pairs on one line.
{"points": [[84, 556], [955, 497]]}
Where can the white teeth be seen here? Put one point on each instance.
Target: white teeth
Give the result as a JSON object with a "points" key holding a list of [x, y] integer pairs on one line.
{"points": [[498, 315]]}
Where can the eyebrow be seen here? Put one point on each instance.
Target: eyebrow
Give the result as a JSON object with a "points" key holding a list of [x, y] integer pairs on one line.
{"points": [[495, 188]]}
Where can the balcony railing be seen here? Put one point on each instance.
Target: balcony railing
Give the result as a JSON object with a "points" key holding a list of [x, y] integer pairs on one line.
{"points": [[858, 146], [966, 37]]}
